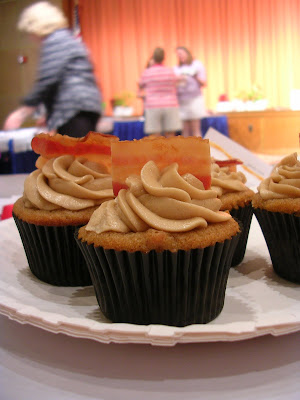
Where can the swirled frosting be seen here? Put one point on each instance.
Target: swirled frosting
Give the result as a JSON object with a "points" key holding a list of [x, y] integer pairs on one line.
{"points": [[225, 181], [67, 183], [284, 181], [162, 200]]}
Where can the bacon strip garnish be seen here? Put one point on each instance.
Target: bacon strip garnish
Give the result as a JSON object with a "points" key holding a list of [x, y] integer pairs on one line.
{"points": [[191, 154], [227, 163], [94, 146]]}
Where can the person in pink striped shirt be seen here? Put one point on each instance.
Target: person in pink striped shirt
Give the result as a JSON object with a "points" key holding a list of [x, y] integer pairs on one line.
{"points": [[161, 104]]}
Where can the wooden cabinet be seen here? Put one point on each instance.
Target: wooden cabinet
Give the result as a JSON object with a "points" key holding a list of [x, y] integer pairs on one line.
{"points": [[268, 132]]}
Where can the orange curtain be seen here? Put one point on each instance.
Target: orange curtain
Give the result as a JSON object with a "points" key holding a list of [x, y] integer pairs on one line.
{"points": [[240, 42]]}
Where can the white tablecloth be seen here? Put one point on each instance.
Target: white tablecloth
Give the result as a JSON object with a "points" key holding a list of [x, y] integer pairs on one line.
{"points": [[36, 364], [21, 139]]}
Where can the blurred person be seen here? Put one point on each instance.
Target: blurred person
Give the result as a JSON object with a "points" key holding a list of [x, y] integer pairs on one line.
{"points": [[141, 91], [65, 83], [192, 78], [161, 104]]}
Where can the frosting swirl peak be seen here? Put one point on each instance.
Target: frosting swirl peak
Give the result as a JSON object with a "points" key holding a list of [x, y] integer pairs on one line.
{"points": [[163, 200], [284, 181], [69, 183], [223, 180]]}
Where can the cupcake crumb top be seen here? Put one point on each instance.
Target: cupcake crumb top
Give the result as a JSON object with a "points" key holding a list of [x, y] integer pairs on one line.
{"points": [[159, 240]]}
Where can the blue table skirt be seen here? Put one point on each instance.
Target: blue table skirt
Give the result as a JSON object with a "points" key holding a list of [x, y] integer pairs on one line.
{"points": [[219, 123], [129, 130], [22, 162]]}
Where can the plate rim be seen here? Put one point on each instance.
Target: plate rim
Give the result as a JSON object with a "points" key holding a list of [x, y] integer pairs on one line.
{"points": [[151, 336]]}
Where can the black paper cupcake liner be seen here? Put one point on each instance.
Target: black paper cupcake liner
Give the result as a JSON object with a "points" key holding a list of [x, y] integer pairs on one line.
{"points": [[282, 235], [244, 215], [53, 255], [178, 289]]}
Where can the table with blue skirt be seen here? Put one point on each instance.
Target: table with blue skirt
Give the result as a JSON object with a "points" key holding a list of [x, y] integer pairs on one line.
{"points": [[218, 122], [16, 155], [134, 129], [129, 129]]}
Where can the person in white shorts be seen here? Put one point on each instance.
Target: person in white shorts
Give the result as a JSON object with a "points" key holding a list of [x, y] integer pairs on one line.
{"points": [[192, 77], [161, 104]]}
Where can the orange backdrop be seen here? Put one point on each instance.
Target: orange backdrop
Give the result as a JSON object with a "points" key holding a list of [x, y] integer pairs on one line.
{"points": [[240, 42]]}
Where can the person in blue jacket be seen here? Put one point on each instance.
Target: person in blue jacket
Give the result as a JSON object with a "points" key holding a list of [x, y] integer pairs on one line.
{"points": [[65, 83]]}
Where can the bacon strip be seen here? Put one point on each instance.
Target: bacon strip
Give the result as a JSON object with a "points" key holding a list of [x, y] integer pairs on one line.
{"points": [[228, 163], [192, 155], [231, 163], [94, 146]]}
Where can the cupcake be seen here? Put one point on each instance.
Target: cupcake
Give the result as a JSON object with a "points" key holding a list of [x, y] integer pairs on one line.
{"points": [[277, 209], [60, 196], [160, 252], [236, 197]]}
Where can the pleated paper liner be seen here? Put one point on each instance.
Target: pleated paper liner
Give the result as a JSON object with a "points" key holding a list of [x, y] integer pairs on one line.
{"points": [[178, 289], [282, 235], [53, 255], [243, 214]]}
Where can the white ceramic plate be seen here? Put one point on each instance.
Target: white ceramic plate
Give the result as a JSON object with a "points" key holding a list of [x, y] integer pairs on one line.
{"points": [[257, 302]]}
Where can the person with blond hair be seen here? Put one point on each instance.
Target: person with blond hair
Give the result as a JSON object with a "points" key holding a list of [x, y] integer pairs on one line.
{"points": [[192, 79], [161, 105], [65, 84]]}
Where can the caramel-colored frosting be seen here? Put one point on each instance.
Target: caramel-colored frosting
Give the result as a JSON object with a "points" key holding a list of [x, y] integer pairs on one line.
{"points": [[225, 181], [284, 181], [69, 183], [162, 200]]}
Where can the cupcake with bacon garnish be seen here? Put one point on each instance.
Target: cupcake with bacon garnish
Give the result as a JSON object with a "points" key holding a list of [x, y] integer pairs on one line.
{"points": [[235, 196], [277, 209], [71, 180], [160, 252]]}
